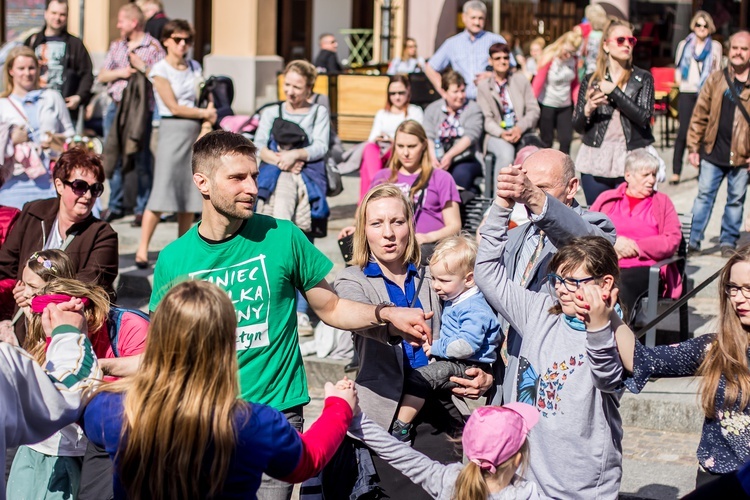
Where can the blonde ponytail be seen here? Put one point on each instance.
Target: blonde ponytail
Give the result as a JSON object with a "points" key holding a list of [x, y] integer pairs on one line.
{"points": [[470, 484]]}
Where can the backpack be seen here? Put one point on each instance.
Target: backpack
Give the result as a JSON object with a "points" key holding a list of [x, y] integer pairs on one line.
{"points": [[114, 322], [221, 89]]}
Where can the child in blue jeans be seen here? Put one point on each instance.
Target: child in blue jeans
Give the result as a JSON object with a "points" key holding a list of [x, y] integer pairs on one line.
{"points": [[469, 334]]}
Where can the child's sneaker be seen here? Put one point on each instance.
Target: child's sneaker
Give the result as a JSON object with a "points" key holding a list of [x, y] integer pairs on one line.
{"points": [[401, 431]]}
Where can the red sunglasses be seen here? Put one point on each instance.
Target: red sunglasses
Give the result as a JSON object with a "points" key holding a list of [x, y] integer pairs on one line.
{"points": [[622, 39]]}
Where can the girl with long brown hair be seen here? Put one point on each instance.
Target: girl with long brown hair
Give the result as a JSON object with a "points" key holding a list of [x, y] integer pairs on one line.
{"points": [[613, 112], [177, 429], [721, 359]]}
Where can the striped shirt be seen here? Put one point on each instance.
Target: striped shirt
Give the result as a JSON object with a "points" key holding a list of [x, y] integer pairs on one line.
{"points": [[118, 57], [466, 56]]}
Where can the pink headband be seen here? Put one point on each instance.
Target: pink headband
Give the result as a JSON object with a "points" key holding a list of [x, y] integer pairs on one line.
{"points": [[39, 302]]}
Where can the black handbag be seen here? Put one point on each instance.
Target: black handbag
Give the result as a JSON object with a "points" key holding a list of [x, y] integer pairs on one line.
{"points": [[463, 156]]}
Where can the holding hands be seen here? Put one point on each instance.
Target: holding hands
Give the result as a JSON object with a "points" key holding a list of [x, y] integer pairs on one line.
{"points": [[346, 390], [512, 135], [513, 186], [594, 305]]}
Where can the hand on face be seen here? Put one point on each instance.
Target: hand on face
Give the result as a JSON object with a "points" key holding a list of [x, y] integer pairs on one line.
{"points": [[594, 305], [513, 184], [67, 313]]}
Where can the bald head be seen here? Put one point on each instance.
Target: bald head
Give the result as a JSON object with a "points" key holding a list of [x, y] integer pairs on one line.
{"points": [[553, 172], [739, 51]]}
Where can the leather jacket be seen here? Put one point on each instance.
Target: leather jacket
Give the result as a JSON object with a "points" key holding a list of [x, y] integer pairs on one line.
{"points": [[635, 103]]}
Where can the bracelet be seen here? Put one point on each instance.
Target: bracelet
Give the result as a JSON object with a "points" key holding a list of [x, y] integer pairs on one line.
{"points": [[379, 308]]}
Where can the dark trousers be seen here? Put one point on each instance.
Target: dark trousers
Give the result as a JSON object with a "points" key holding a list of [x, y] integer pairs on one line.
{"points": [[560, 119], [594, 185], [633, 286], [465, 173], [96, 475], [685, 106]]}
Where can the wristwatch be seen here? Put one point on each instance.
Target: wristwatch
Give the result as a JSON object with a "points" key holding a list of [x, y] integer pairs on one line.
{"points": [[379, 308]]}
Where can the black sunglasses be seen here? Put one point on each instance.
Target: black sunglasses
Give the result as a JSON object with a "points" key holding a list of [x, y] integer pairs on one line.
{"points": [[80, 187], [700, 25], [398, 92], [187, 39]]}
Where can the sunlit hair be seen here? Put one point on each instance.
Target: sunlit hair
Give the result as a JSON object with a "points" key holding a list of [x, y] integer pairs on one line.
{"points": [[209, 149], [451, 77], [404, 55], [303, 69], [602, 58], [595, 253], [360, 246], [134, 13], [403, 80], [78, 158], [538, 41], [180, 407], [499, 48], [456, 254], [555, 49], [471, 483], [50, 264], [95, 312], [702, 14], [475, 5], [411, 127], [726, 357], [15, 53], [596, 16], [639, 160]]}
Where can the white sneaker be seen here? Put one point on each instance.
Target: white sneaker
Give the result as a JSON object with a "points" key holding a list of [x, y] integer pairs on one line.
{"points": [[304, 328]]}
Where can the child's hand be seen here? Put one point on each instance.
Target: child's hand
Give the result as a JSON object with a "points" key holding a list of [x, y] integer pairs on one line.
{"points": [[346, 390], [427, 348], [594, 305]]}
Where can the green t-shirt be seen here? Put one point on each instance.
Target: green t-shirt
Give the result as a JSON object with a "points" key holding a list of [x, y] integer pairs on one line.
{"points": [[260, 268]]}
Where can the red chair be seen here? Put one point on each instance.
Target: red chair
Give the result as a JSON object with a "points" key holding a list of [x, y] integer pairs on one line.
{"points": [[663, 85]]}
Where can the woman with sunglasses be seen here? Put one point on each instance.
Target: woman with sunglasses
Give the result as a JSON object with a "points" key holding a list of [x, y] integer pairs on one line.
{"points": [[176, 80], [721, 360], [569, 368], [32, 116], [556, 87], [64, 223], [409, 62], [697, 56], [613, 113], [377, 150]]}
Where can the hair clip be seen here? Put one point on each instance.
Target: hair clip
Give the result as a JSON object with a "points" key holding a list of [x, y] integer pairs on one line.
{"points": [[46, 263]]}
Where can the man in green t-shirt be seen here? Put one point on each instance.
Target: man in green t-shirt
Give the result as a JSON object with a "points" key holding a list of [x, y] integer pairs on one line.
{"points": [[260, 262]]}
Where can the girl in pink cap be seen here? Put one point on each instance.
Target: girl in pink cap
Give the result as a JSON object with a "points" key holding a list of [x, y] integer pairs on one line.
{"points": [[494, 441]]}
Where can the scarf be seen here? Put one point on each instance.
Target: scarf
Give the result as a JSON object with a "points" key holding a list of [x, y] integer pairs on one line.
{"points": [[705, 57], [451, 127], [40, 302], [577, 324]]}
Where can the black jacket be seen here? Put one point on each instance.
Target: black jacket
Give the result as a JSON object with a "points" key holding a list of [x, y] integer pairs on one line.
{"points": [[636, 105], [329, 61], [78, 76]]}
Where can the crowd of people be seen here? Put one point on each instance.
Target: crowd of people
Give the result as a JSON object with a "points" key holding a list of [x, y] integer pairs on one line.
{"points": [[204, 396]]}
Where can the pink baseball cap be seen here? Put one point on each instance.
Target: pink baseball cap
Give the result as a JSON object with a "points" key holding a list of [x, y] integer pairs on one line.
{"points": [[493, 434]]}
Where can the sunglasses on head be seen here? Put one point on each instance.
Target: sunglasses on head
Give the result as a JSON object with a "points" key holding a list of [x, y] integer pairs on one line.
{"points": [[620, 40], [187, 39], [80, 187]]}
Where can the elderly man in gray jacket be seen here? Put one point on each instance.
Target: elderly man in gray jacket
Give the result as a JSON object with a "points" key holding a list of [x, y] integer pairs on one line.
{"points": [[546, 184]]}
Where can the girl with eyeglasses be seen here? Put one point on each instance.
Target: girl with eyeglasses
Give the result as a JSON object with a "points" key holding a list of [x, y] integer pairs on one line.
{"points": [[613, 112], [377, 149], [721, 360], [65, 223], [556, 87], [409, 62], [569, 369], [176, 80], [697, 56]]}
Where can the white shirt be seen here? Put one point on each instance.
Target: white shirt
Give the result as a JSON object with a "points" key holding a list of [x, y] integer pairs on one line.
{"points": [[386, 123], [184, 84]]}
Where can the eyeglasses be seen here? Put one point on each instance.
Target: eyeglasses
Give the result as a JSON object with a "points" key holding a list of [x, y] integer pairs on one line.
{"points": [[620, 40], [701, 25], [732, 290], [571, 284], [187, 39], [501, 58], [398, 92], [80, 187]]}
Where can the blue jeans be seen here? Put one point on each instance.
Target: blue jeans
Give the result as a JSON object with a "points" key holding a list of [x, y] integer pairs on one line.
{"points": [[143, 169], [709, 180]]}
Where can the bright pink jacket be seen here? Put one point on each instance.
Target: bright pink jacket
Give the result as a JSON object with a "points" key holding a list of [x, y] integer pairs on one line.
{"points": [[540, 80], [653, 248]]}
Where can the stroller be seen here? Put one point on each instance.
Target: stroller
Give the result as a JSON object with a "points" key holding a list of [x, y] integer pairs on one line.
{"points": [[220, 91]]}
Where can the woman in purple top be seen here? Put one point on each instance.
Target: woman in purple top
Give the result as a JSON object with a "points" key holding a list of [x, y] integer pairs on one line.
{"points": [[433, 192]]}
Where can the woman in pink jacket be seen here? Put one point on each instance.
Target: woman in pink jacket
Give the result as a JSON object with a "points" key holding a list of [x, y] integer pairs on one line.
{"points": [[648, 229]]}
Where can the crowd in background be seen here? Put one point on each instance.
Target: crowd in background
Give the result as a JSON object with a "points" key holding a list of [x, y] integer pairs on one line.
{"points": [[204, 396]]}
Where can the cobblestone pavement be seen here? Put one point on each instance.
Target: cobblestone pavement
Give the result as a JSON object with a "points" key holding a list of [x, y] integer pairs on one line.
{"points": [[660, 446]]}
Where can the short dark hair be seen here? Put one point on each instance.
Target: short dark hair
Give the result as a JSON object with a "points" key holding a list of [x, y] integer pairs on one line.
{"points": [[175, 26], [78, 157], [499, 47], [208, 150], [64, 2], [451, 77]]}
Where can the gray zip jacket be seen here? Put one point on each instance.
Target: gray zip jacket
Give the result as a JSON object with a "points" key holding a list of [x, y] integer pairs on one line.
{"points": [[437, 479], [574, 378]]}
